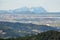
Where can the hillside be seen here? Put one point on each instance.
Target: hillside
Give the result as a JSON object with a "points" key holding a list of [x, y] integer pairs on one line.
{"points": [[11, 29], [49, 35]]}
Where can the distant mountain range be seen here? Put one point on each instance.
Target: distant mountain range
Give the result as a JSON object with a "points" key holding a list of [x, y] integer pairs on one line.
{"points": [[10, 29], [25, 10]]}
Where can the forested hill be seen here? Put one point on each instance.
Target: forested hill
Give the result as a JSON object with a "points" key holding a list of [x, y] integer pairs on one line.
{"points": [[11, 30], [49, 35]]}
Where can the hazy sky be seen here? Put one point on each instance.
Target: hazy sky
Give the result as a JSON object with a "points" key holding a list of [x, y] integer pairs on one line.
{"points": [[49, 5]]}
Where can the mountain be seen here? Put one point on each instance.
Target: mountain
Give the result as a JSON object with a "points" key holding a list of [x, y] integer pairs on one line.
{"points": [[10, 29], [49, 35], [38, 10], [3, 11], [24, 10], [32, 10]]}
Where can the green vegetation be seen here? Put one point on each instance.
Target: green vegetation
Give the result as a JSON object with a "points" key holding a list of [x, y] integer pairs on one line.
{"points": [[49, 35]]}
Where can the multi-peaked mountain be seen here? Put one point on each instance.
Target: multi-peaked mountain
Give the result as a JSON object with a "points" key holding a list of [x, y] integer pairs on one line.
{"points": [[25, 10]]}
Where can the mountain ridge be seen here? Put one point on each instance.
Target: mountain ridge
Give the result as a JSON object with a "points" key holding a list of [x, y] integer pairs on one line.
{"points": [[26, 10]]}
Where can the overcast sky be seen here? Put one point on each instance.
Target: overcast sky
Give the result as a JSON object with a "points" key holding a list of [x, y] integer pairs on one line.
{"points": [[49, 5]]}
